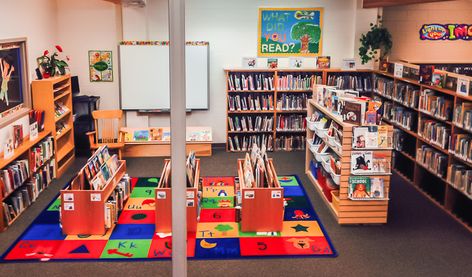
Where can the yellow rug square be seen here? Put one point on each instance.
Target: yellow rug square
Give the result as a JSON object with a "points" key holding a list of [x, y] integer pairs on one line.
{"points": [[92, 237], [217, 230], [301, 229], [139, 204], [218, 191]]}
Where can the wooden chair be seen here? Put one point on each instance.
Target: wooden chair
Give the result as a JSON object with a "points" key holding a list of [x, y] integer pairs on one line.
{"points": [[108, 132]]}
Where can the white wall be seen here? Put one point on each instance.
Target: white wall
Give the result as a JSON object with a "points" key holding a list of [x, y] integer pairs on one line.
{"points": [[33, 19], [231, 29], [91, 25]]}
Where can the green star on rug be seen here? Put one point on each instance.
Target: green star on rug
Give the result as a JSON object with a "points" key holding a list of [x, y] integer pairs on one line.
{"points": [[300, 228]]}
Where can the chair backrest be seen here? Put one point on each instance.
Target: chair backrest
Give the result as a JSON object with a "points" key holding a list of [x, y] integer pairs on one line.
{"points": [[107, 125]]}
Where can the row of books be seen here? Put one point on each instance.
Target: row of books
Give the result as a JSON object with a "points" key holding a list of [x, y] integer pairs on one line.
{"points": [[60, 109], [357, 82], [14, 175], [289, 143], [288, 102], [41, 152], [400, 115], [250, 102], [24, 196], [435, 105], [436, 133], [398, 139], [366, 188], [370, 162], [98, 170], [460, 145], [250, 81], [191, 168], [257, 170], [403, 93], [38, 117], [251, 123], [296, 82], [460, 177], [245, 142], [115, 203], [432, 159], [463, 115], [371, 137], [291, 123]]}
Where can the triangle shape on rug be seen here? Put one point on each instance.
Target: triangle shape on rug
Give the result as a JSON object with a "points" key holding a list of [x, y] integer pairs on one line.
{"points": [[80, 250]]}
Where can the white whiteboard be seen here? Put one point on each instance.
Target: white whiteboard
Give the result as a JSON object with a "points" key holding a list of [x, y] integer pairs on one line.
{"points": [[144, 77]]}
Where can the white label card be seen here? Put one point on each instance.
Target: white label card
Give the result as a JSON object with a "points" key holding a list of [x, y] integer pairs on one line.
{"points": [[68, 206], [190, 203], [190, 194], [276, 194], [95, 197], [161, 195], [69, 197], [249, 194]]}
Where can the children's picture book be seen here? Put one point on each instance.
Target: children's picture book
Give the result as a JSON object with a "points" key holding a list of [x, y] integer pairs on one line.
{"points": [[439, 78], [361, 162], [249, 62], [141, 135], [296, 62], [377, 188], [323, 62], [272, 63], [359, 188], [380, 162], [349, 64], [383, 139], [426, 74], [365, 137], [353, 111], [17, 135], [463, 86], [398, 70], [8, 149]]}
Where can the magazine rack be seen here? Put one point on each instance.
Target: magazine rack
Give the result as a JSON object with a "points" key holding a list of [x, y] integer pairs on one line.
{"points": [[164, 205], [262, 209], [83, 211]]}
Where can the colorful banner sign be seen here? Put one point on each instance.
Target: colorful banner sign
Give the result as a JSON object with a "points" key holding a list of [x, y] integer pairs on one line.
{"points": [[290, 31], [446, 32]]}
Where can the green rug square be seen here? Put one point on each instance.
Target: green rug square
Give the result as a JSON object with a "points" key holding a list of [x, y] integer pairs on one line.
{"points": [[55, 205], [126, 249], [218, 202], [288, 181], [257, 234], [143, 192]]}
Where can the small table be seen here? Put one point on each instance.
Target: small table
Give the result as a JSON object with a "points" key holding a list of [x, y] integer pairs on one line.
{"points": [[199, 140]]}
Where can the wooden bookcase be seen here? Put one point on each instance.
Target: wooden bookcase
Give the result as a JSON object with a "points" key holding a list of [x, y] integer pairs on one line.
{"points": [[276, 93], [345, 210], [22, 152], [435, 187], [262, 209], [164, 205], [47, 93], [88, 214]]}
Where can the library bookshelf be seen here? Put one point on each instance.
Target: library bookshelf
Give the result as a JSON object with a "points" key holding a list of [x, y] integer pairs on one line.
{"points": [[54, 97], [434, 184], [262, 209], [24, 151], [164, 204], [83, 211], [282, 139], [345, 210]]}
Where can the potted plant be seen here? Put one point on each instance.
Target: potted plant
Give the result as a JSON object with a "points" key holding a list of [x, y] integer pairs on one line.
{"points": [[375, 44], [51, 65]]}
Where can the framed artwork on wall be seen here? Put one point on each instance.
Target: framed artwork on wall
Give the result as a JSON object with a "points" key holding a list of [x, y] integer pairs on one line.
{"points": [[100, 66], [290, 32]]}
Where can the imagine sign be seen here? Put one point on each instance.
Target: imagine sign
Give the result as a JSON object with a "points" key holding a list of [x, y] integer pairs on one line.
{"points": [[446, 32]]}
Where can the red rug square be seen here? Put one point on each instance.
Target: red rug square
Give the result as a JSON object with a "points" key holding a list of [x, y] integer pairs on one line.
{"points": [[80, 249], [218, 215], [137, 217], [34, 250], [162, 247], [225, 181]]}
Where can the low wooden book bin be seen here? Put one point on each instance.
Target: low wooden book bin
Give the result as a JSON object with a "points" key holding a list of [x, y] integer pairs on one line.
{"points": [[262, 209], [164, 205]]}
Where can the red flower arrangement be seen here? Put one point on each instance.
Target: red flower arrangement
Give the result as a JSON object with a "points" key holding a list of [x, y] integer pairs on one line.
{"points": [[51, 65]]}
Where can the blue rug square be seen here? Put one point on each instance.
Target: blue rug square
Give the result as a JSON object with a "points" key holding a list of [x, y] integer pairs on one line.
{"points": [[217, 248], [293, 191], [133, 231], [299, 214], [47, 217], [44, 232]]}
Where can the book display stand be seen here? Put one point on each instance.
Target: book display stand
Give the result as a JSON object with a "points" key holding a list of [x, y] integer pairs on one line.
{"points": [[262, 208], [335, 172], [164, 202]]}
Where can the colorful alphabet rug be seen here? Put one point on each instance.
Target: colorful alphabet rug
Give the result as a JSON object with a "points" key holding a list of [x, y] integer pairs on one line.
{"points": [[218, 234]]}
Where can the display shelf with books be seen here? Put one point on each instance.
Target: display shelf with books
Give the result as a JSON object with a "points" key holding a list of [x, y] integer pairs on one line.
{"points": [[163, 196], [54, 97], [91, 202], [358, 80], [330, 166], [24, 175], [259, 187]]}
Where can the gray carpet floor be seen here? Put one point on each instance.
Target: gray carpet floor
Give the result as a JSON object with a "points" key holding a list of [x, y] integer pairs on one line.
{"points": [[419, 239]]}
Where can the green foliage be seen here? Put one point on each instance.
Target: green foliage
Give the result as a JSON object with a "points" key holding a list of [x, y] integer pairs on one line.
{"points": [[52, 65], [223, 228], [312, 31], [377, 39]]}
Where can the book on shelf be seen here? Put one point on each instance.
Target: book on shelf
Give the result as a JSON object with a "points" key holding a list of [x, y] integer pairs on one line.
{"points": [[251, 102], [384, 86], [406, 94], [353, 111], [369, 162], [399, 115], [291, 123], [115, 202], [98, 170], [245, 142], [257, 171], [250, 81], [288, 102], [460, 177], [460, 146], [432, 159], [41, 152], [438, 78], [296, 81], [248, 62], [426, 74], [433, 131], [37, 116], [323, 62], [272, 63], [251, 123], [366, 188], [462, 116], [353, 82], [17, 136], [291, 142], [463, 86], [366, 137], [295, 62], [436, 105], [14, 175], [398, 139], [60, 109]]}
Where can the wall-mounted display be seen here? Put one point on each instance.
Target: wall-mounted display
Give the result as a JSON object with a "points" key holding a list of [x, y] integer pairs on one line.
{"points": [[100, 66], [446, 32], [290, 31]]}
